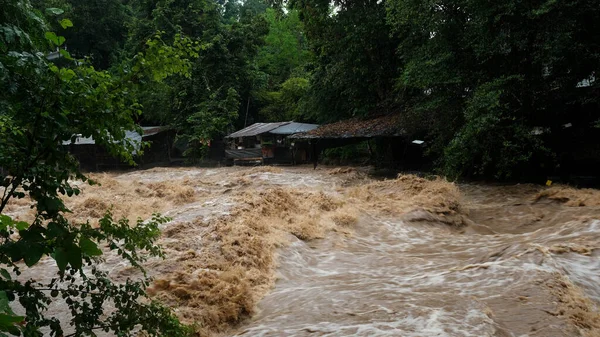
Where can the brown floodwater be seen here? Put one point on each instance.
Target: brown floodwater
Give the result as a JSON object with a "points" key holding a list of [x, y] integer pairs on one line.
{"points": [[518, 268], [333, 252]]}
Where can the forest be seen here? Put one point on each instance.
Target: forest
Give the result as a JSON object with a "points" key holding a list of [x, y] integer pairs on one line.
{"points": [[497, 90], [501, 90]]}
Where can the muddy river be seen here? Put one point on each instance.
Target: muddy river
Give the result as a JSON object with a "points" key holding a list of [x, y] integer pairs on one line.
{"points": [[334, 252]]}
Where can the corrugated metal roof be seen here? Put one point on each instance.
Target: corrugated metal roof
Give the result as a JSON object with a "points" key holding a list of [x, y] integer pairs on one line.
{"points": [[293, 127], [256, 129], [132, 136], [152, 130], [80, 141]]}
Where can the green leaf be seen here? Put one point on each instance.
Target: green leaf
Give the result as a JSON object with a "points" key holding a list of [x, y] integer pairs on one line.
{"points": [[13, 330], [65, 54], [67, 75], [51, 36], [50, 205], [54, 39], [4, 303], [14, 251], [89, 247], [22, 225], [5, 274], [66, 23], [33, 253], [74, 256], [61, 258], [54, 11], [7, 323], [5, 221], [6, 320], [55, 230]]}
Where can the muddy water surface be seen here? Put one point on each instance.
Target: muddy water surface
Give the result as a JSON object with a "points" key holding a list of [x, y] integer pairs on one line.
{"points": [[518, 268], [333, 252]]}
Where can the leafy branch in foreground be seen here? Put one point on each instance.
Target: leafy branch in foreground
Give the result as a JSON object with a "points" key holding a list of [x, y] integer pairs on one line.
{"points": [[42, 106], [95, 302]]}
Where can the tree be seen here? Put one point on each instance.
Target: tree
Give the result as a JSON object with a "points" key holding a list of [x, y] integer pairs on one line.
{"points": [[287, 103], [99, 29], [210, 101], [486, 75], [285, 49], [282, 61], [206, 104], [355, 62], [43, 105]]}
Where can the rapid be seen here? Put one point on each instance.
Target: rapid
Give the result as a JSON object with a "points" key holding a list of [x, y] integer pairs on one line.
{"points": [[516, 268], [334, 252]]}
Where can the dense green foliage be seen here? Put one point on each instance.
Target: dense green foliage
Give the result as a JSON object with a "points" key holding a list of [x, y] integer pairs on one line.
{"points": [[282, 63], [356, 63], [250, 67], [207, 103], [493, 72], [43, 105], [490, 85]]}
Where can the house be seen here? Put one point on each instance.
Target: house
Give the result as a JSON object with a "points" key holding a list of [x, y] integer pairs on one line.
{"points": [[267, 143], [93, 157]]}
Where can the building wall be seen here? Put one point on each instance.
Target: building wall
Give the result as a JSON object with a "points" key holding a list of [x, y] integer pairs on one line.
{"points": [[93, 157], [160, 151]]}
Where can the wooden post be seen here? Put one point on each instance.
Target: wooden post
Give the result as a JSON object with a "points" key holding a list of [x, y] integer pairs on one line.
{"points": [[247, 108], [315, 155]]}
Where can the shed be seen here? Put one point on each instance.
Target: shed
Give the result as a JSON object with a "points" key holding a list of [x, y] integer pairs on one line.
{"points": [[387, 140], [266, 142], [93, 157]]}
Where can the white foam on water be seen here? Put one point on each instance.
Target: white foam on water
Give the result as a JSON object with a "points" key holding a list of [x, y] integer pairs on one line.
{"points": [[397, 279]]}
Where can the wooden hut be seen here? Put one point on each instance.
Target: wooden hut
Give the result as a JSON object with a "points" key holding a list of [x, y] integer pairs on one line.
{"points": [[389, 141], [266, 143], [93, 157]]}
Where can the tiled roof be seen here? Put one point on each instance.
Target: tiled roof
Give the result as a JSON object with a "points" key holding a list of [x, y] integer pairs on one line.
{"points": [[388, 125]]}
